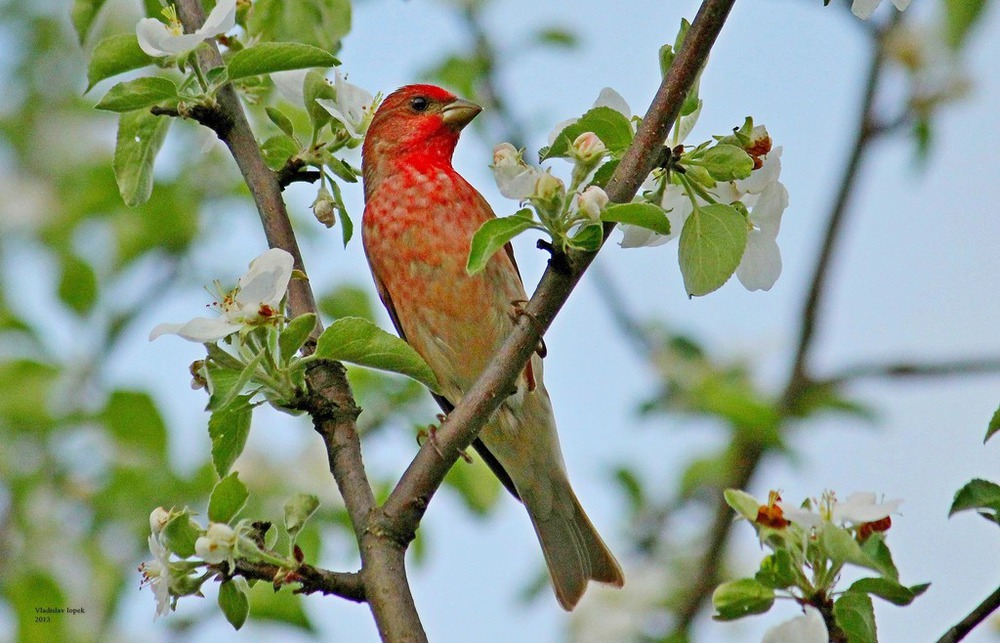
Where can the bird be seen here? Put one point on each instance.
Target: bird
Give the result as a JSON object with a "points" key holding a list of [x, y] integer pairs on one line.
{"points": [[419, 219]]}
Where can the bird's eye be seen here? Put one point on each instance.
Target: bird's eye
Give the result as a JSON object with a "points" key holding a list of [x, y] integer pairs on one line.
{"points": [[419, 104]]}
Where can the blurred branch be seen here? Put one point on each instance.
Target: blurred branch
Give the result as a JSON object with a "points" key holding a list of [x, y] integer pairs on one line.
{"points": [[330, 401], [900, 370], [747, 451], [408, 501], [627, 323], [975, 617]]}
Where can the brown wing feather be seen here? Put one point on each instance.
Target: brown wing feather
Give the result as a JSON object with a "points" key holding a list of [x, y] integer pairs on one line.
{"points": [[446, 406]]}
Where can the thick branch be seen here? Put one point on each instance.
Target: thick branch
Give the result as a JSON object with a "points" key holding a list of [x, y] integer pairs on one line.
{"points": [[746, 452], [406, 504], [330, 403], [975, 617]]}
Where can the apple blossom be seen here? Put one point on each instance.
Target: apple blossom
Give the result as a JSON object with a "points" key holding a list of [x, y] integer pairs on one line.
{"points": [[156, 574], [255, 301], [353, 106], [607, 98], [859, 508], [515, 178], [217, 544], [809, 628], [158, 520], [592, 201], [159, 40], [588, 149]]}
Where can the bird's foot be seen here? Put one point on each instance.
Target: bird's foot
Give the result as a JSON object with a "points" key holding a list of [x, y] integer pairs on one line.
{"points": [[430, 434], [519, 311]]}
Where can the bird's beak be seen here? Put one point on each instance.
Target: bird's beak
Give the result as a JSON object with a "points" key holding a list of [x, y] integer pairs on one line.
{"points": [[459, 113]]}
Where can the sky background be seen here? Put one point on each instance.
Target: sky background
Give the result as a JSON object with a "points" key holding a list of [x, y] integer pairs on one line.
{"points": [[916, 277]]}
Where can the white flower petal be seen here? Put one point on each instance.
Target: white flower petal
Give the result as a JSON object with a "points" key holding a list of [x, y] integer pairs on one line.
{"points": [[516, 180], [802, 629], [760, 266], [685, 124], [801, 517], [157, 40], [221, 19], [762, 177], [289, 84], [861, 507], [610, 98], [199, 329], [560, 126], [266, 280], [901, 4], [768, 208], [639, 237], [864, 8]]}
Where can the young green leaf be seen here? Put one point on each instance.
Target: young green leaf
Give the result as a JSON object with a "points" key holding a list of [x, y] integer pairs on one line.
{"points": [[613, 128], [603, 173], [77, 284], [588, 238], [229, 427], [277, 149], [644, 215], [268, 57], [295, 334], [855, 614], [279, 118], [134, 421], [226, 389], [358, 341], [180, 533], [298, 509], [711, 247], [228, 497], [234, 603], [740, 598], [993, 427], [727, 162], [960, 17], [138, 93], [492, 236], [980, 495], [743, 503], [777, 570], [115, 55], [316, 86], [140, 136], [889, 590]]}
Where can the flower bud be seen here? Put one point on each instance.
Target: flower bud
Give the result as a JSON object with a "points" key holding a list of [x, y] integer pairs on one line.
{"points": [[158, 520], [504, 154], [588, 148], [547, 187], [592, 201], [324, 208], [515, 179], [217, 543]]}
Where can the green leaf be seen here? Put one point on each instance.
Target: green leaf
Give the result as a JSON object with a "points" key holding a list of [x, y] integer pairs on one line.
{"points": [[278, 117], [631, 485], [980, 495], [268, 57], [277, 149], [667, 56], [26, 587], [295, 334], [726, 162], [83, 14], [777, 570], [889, 590], [225, 389], [347, 301], [855, 614], [960, 17], [298, 509], [993, 427], [644, 215], [280, 607], [743, 503], [228, 497], [841, 547], [477, 485], [711, 247], [314, 87], [604, 173], [558, 37], [115, 55], [492, 236], [322, 23], [588, 238], [234, 603], [135, 422], [358, 341], [613, 128], [229, 427], [878, 553], [25, 393], [740, 598], [77, 284], [138, 93], [140, 136], [180, 533]]}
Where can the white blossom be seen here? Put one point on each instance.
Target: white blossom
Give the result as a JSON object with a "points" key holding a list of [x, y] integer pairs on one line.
{"points": [[515, 178], [588, 148], [256, 300], [353, 106], [217, 543], [809, 628], [861, 507], [158, 39], [607, 98], [865, 8], [158, 520], [591, 202], [156, 574]]}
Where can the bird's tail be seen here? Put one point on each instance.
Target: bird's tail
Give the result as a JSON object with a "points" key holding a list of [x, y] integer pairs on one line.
{"points": [[574, 551]]}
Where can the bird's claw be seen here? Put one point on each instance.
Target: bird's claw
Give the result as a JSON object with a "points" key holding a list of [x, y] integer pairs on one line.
{"points": [[520, 311], [430, 434]]}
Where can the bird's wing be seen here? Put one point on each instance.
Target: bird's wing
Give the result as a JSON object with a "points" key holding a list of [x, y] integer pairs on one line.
{"points": [[446, 405]]}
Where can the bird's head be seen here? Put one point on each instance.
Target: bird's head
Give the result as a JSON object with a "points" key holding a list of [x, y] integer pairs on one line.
{"points": [[415, 124]]}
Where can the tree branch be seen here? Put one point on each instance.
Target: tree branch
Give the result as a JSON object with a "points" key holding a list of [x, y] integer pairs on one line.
{"points": [[310, 579], [405, 506], [975, 617], [747, 452], [330, 402], [911, 370]]}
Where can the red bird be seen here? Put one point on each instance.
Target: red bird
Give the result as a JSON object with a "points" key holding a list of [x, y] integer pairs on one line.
{"points": [[419, 219]]}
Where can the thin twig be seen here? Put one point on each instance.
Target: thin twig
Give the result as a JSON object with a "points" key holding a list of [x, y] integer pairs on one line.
{"points": [[747, 452], [909, 370], [975, 617], [310, 580]]}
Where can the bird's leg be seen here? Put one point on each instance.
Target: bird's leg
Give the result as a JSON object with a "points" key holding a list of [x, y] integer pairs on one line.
{"points": [[519, 311], [430, 433]]}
